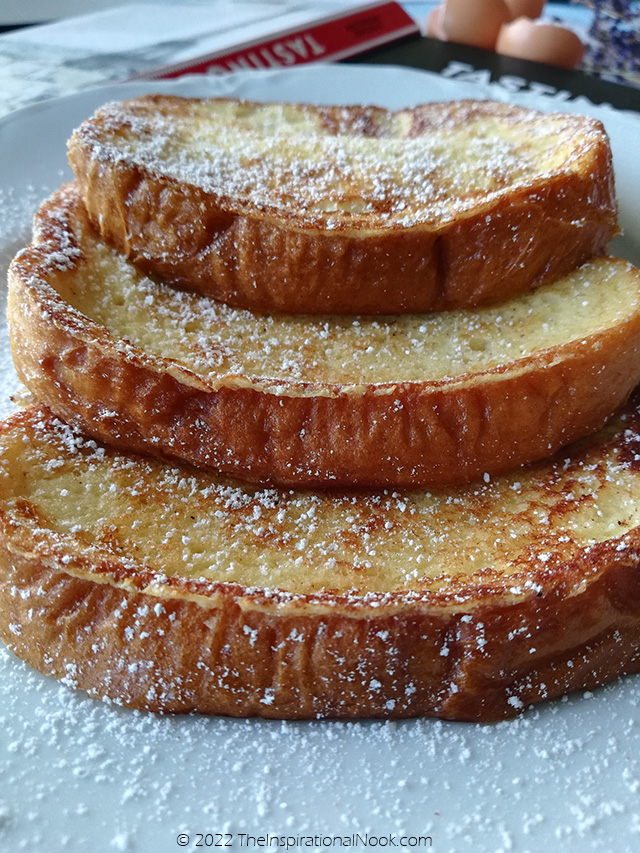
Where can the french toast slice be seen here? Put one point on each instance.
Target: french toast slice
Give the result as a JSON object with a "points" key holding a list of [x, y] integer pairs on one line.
{"points": [[169, 589], [303, 209], [301, 400]]}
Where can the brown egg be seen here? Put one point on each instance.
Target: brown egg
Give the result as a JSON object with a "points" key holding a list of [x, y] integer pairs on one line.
{"points": [[474, 22], [540, 42], [525, 8], [435, 27]]}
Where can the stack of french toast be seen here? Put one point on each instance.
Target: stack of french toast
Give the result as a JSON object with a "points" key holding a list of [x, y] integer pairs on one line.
{"points": [[331, 413]]}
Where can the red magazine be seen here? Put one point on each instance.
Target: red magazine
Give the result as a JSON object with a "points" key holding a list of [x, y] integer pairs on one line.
{"points": [[328, 39]]}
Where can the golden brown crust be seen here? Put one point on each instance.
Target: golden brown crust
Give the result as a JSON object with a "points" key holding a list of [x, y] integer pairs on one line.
{"points": [[407, 434], [87, 616], [268, 261]]}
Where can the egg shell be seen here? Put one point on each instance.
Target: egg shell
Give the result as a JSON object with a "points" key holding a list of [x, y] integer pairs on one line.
{"points": [[435, 21], [525, 8], [540, 42], [475, 22]]}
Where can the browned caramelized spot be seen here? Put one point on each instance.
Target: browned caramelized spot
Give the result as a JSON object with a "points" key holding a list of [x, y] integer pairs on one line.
{"points": [[364, 122]]}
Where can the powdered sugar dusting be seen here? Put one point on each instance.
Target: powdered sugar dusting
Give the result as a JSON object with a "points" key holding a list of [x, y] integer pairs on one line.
{"points": [[125, 774], [363, 549], [334, 166], [226, 344]]}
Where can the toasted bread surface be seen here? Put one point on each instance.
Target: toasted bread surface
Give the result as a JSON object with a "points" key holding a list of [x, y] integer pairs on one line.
{"points": [[284, 207], [414, 400], [169, 589]]}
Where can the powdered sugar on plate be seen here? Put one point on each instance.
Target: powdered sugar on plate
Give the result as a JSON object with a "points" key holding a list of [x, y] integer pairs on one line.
{"points": [[115, 777]]}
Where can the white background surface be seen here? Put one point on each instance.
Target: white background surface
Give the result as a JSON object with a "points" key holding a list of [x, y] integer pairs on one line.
{"points": [[77, 775]]}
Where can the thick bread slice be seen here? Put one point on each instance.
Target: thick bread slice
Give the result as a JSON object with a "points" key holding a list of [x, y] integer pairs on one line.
{"points": [[301, 209], [426, 399], [168, 589]]}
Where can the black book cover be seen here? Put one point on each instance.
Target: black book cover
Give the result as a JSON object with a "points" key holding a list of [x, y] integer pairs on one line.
{"points": [[483, 66]]}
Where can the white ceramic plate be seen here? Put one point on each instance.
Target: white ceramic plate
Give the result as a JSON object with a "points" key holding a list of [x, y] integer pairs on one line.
{"points": [[77, 775]]}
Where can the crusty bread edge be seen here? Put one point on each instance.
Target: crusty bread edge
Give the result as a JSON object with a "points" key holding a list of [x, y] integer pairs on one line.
{"points": [[254, 259], [93, 622]]}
